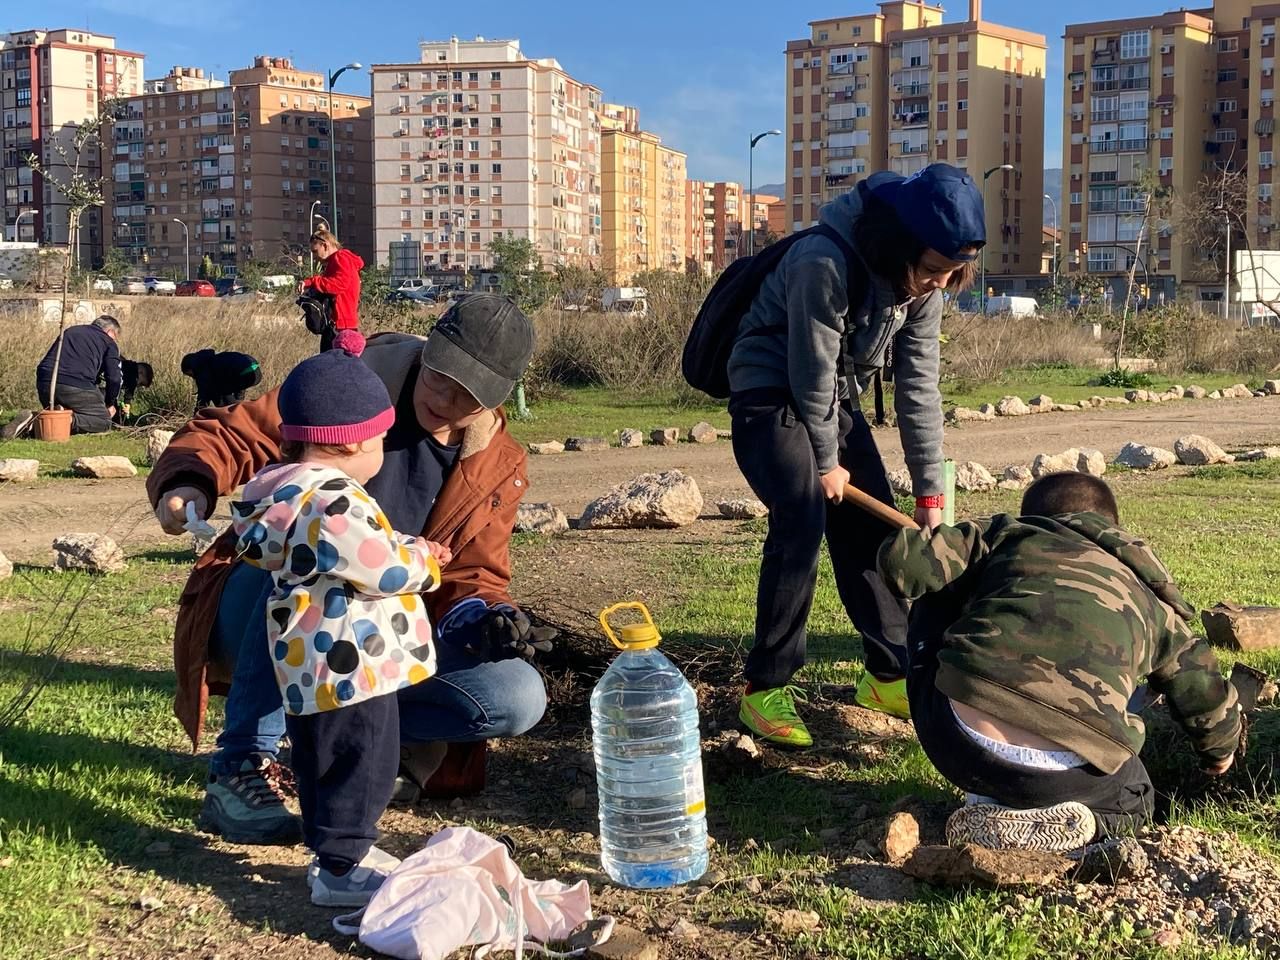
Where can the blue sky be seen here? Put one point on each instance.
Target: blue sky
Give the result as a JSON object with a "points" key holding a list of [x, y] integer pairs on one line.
{"points": [[705, 75]]}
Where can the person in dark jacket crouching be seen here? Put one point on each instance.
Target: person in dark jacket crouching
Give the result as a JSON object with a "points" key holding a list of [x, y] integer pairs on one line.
{"points": [[89, 353], [221, 378]]}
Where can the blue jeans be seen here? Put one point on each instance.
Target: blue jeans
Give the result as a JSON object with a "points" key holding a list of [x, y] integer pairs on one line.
{"points": [[467, 700]]}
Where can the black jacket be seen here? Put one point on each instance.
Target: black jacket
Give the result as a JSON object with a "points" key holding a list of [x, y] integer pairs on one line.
{"points": [[88, 353]]}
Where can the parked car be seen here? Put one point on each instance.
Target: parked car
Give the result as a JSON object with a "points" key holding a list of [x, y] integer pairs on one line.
{"points": [[414, 295], [6, 282], [414, 285], [158, 285], [103, 285], [195, 288], [1014, 306], [132, 285]]}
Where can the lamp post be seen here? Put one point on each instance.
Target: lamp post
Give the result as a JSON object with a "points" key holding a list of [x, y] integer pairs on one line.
{"points": [[1053, 272], [17, 221], [1226, 273], [333, 152], [1006, 167], [186, 243], [751, 187]]}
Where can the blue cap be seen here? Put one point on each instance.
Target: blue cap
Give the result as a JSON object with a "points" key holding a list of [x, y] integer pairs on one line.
{"points": [[940, 204]]}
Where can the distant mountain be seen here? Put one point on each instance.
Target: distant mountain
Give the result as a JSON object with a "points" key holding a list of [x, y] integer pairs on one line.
{"points": [[770, 189], [1053, 187]]}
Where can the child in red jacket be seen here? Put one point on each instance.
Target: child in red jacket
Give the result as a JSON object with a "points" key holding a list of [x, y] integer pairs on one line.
{"points": [[339, 279]]}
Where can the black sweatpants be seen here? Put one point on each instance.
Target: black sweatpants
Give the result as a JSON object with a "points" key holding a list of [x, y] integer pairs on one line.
{"points": [[775, 455], [345, 762], [88, 409], [1122, 802]]}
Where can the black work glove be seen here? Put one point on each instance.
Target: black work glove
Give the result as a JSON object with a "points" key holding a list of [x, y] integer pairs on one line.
{"points": [[504, 633]]}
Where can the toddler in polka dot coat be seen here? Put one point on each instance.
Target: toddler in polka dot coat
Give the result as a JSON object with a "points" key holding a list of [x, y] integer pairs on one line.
{"points": [[345, 622]]}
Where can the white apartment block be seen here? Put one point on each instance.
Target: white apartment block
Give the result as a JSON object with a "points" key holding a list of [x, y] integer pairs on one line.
{"points": [[475, 141]]}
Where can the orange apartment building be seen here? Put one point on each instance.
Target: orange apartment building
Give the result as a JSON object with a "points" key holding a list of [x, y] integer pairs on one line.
{"points": [[244, 166], [715, 241]]}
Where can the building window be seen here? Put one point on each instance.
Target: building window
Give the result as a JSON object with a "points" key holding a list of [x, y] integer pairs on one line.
{"points": [[495, 76], [1264, 192], [1135, 45], [497, 171], [962, 104], [1075, 198], [1265, 158], [822, 36], [1227, 76], [1228, 44], [1166, 165], [857, 31], [1224, 136], [1226, 106]]}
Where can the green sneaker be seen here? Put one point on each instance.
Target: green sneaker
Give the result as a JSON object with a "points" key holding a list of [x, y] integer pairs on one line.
{"points": [[771, 715], [887, 696]]}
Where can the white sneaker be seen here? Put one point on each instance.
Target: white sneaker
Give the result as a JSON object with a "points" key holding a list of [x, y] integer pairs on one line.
{"points": [[356, 887], [1061, 827]]}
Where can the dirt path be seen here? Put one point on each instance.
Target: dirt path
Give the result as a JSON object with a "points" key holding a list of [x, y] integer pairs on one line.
{"points": [[30, 517]]}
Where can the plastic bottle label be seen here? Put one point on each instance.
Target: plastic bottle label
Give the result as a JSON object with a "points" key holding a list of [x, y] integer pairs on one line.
{"points": [[694, 794]]}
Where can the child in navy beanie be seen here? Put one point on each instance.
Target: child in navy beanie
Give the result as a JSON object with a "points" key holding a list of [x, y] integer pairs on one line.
{"points": [[345, 622]]}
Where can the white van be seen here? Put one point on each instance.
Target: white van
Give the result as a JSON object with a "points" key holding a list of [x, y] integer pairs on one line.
{"points": [[1016, 306]]}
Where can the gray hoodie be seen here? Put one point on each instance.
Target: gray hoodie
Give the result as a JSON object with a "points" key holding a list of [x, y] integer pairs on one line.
{"points": [[806, 294]]}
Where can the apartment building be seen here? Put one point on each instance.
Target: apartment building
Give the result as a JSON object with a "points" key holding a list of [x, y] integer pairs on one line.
{"points": [[50, 82], [699, 215], [642, 198], [901, 88], [238, 171], [1173, 97], [476, 141]]}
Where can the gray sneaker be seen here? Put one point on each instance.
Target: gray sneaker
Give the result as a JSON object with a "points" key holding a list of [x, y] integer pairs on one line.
{"points": [[247, 806], [376, 857], [356, 887]]}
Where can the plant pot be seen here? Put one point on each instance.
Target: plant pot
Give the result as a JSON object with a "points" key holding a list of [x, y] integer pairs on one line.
{"points": [[53, 426]]}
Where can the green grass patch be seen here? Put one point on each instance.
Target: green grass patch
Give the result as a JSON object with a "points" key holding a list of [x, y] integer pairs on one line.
{"points": [[55, 458], [601, 412]]}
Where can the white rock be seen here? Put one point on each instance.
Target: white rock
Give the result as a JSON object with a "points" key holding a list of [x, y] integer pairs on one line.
{"points": [[1047, 463], [1067, 407], [1018, 474], [6, 567], [702, 433], [1271, 388], [1178, 389], [900, 481], [963, 415], [1140, 456], [1040, 404], [543, 449], [19, 471], [745, 509], [1092, 462], [1239, 391], [586, 444], [1138, 396], [669, 499], [665, 436], [1195, 393], [104, 468], [1216, 395], [987, 411], [544, 518], [1196, 451], [973, 476], [1096, 401], [157, 442], [87, 551], [1265, 453], [1012, 407], [1115, 401], [630, 439]]}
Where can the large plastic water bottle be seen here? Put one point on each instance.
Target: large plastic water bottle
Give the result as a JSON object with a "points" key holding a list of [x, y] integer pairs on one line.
{"points": [[644, 725]]}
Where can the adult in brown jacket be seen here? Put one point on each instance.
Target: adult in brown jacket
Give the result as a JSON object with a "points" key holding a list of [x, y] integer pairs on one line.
{"points": [[452, 471]]}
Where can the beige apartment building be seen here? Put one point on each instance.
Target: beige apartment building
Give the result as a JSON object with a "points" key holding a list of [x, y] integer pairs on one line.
{"points": [[699, 225], [238, 170], [723, 204], [642, 198], [901, 88], [476, 141], [50, 82], [1181, 95]]}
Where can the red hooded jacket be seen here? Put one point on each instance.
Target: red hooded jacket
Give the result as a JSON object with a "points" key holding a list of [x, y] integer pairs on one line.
{"points": [[341, 279]]}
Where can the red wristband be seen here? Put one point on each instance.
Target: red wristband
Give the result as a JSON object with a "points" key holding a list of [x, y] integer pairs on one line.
{"points": [[934, 501]]}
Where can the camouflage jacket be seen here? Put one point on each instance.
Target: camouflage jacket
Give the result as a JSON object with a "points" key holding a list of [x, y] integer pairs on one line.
{"points": [[1060, 620]]}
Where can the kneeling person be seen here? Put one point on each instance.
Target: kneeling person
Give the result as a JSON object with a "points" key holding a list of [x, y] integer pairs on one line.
{"points": [[1027, 643]]}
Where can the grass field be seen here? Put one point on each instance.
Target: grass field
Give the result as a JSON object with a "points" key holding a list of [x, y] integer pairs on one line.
{"points": [[97, 771]]}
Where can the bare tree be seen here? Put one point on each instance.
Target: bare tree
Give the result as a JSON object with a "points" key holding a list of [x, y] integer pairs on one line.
{"points": [[1200, 220]]}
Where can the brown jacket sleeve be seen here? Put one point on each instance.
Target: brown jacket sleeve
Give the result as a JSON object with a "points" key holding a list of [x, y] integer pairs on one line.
{"points": [[220, 449]]}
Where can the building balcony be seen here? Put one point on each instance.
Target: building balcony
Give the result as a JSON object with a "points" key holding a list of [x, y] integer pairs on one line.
{"points": [[912, 149], [836, 153], [1103, 116], [1136, 83], [836, 125], [1104, 85], [912, 89]]}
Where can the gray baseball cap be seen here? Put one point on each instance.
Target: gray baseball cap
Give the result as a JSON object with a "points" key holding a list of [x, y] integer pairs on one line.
{"points": [[485, 343]]}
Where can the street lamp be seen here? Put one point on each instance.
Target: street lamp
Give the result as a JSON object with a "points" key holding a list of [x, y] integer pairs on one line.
{"points": [[17, 221], [1053, 272], [1006, 167], [751, 187], [1226, 273], [186, 242], [333, 160], [311, 220]]}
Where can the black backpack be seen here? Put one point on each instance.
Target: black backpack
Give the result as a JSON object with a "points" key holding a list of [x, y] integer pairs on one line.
{"points": [[705, 362], [317, 312]]}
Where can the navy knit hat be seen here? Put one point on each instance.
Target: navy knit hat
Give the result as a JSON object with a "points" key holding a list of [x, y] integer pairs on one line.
{"points": [[940, 204], [333, 398]]}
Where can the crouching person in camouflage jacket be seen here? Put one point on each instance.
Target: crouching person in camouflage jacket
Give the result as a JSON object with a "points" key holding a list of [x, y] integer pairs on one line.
{"points": [[1028, 640]]}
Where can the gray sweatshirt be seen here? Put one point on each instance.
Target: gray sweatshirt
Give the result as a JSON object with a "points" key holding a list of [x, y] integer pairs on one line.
{"points": [[806, 293]]}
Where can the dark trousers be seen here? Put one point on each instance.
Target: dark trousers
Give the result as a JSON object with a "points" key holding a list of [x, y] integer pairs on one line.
{"points": [[326, 339], [88, 409], [1122, 802], [345, 762], [773, 451]]}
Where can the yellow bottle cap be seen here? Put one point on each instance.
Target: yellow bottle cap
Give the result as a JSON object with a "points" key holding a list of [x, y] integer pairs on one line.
{"points": [[631, 636]]}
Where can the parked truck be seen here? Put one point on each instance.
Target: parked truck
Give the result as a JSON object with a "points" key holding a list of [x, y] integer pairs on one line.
{"points": [[634, 300]]}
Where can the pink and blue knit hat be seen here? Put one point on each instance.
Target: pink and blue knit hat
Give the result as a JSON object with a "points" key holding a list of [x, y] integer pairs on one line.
{"points": [[334, 398]]}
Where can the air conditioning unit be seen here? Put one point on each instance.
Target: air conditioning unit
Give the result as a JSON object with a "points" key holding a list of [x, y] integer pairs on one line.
{"points": [[1076, 175], [399, 133], [1264, 166], [1266, 39], [1166, 48], [1267, 71]]}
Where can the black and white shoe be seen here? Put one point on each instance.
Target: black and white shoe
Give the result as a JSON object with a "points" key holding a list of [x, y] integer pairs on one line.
{"points": [[20, 426]]}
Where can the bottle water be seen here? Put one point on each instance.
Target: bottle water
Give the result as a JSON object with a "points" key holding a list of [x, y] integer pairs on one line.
{"points": [[644, 725]]}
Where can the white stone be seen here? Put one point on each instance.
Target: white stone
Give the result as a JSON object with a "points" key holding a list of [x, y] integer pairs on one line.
{"points": [[1239, 391], [630, 439], [157, 442], [1265, 453], [544, 449], [972, 476], [1195, 393], [1015, 477], [1216, 395], [665, 436], [92, 552], [744, 509], [963, 415], [987, 411], [6, 567], [1040, 404], [1067, 407], [19, 471], [544, 518], [586, 444], [661, 500], [702, 433], [1012, 407], [104, 468], [1092, 462], [1047, 463], [1197, 451], [1140, 456], [900, 481], [1271, 388]]}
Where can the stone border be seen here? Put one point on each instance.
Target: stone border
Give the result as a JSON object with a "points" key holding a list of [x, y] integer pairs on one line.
{"points": [[1011, 406]]}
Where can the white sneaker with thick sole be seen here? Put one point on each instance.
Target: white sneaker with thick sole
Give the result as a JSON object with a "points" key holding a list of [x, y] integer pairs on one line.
{"points": [[1061, 827], [356, 887]]}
